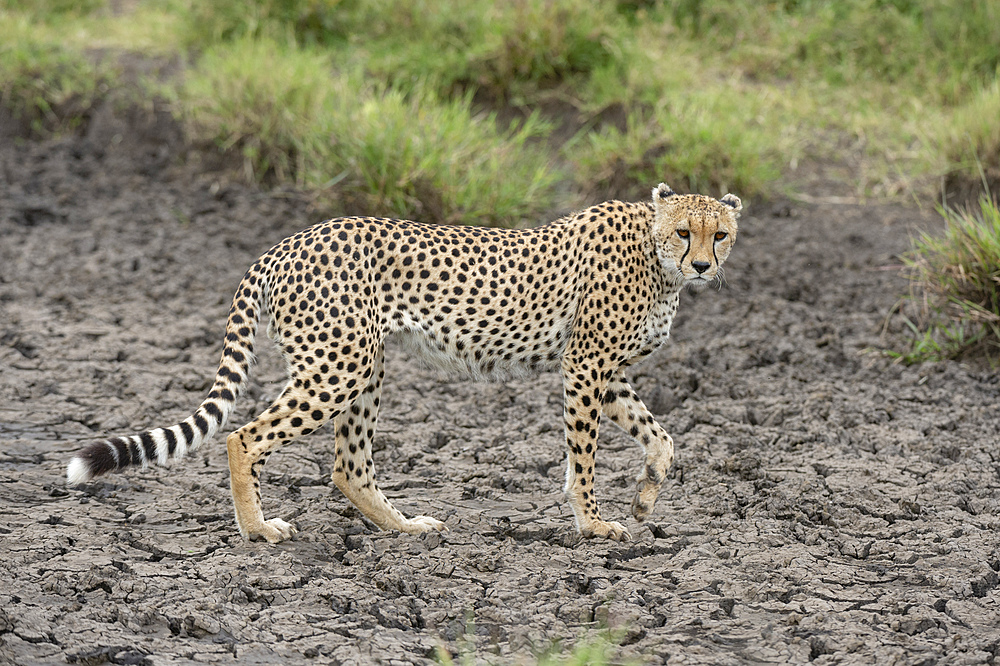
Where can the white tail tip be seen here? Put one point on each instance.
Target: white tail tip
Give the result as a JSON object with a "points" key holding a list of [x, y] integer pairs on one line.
{"points": [[77, 472]]}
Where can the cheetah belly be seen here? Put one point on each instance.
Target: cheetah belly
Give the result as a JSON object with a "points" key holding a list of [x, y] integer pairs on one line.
{"points": [[485, 359]]}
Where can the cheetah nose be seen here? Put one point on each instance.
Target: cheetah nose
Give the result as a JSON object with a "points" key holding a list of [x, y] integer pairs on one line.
{"points": [[700, 266]]}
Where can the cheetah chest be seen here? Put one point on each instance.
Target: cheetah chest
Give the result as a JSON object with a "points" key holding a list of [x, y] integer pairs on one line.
{"points": [[657, 328]]}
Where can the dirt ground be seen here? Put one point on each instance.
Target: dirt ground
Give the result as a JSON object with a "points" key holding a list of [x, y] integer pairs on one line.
{"points": [[826, 505]]}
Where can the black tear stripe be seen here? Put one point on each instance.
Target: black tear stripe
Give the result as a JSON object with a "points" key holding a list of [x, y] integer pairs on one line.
{"points": [[681, 262]]}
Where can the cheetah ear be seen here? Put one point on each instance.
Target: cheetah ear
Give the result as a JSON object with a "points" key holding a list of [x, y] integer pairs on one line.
{"points": [[662, 191], [733, 201]]}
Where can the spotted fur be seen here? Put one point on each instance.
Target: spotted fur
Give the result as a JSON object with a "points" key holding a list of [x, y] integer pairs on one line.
{"points": [[587, 295]]}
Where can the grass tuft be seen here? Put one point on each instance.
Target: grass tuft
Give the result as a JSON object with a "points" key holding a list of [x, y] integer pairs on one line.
{"points": [[957, 287], [308, 22], [696, 129], [541, 41], [294, 117]]}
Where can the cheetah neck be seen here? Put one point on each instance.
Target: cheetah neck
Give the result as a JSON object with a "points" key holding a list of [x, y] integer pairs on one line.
{"points": [[663, 272]]}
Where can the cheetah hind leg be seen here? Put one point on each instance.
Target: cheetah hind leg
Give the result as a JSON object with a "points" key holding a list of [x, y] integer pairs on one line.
{"points": [[289, 417], [354, 469]]}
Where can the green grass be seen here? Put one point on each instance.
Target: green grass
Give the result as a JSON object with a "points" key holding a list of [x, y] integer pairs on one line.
{"points": [[710, 137], [294, 117], [914, 73], [508, 50], [709, 94], [594, 651], [46, 10], [956, 278], [505, 49], [876, 87], [941, 48], [388, 105], [46, 84], [971, 141]]}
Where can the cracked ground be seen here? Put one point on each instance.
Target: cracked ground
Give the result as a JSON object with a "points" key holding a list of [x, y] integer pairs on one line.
{"points": [[826, 505]]}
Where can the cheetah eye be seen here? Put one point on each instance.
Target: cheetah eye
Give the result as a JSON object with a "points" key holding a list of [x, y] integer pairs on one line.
{"points": [[719, 235], [683, 233]]}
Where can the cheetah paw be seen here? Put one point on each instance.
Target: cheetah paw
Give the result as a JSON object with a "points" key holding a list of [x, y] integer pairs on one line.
{"points": [[275, 531], [607, 529], [421, 524], [644, 501], [646, 491]]}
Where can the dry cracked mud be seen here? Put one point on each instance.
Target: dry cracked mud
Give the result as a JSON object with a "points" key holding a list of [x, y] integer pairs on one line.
{"points": [[826, 506]]}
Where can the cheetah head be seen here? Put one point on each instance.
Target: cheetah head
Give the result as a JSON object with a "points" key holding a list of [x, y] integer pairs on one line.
{"points": [[693, 233]]}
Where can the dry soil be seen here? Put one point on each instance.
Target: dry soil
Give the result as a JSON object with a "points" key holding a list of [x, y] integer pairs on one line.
{"points": [[826, 506]]}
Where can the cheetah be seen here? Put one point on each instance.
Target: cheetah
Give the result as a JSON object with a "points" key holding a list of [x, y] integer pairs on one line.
{"points": [[588, 295]]}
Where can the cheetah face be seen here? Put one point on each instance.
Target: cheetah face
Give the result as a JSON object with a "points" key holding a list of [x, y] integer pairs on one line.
{"points": [[693, 234]]}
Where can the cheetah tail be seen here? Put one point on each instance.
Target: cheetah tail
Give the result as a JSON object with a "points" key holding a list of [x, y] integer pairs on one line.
{"points": [[159, 445]]}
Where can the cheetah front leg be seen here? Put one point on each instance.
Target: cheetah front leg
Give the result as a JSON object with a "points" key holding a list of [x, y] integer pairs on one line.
{"points": [[354, 469], [628, 412], [583, 390]]}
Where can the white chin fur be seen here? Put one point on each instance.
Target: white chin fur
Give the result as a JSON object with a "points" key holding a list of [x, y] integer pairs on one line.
{"points": [[699, 282], [77, 472]]}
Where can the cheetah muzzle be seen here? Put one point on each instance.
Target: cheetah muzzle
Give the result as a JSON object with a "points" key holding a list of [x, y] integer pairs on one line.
{"points": [[588, 295]]}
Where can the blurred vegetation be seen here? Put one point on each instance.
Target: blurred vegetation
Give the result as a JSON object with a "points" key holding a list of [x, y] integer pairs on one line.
{"points": [[45, 84], [503, 48], [598, 648], [971, 141], [544, 97], [940, 48], [295, 117]]}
